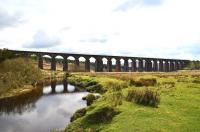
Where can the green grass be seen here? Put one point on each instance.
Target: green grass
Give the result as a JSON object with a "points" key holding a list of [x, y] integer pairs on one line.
{"points": [[179, 108]]}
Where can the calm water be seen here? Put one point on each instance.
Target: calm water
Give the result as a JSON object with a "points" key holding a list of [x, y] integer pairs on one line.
{"points": [[41, 111]]}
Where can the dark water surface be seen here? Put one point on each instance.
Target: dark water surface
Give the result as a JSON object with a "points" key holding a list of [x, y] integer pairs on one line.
{"points": [[41, 111]]}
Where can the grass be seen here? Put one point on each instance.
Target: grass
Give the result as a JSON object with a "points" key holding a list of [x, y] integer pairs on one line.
{"points": [[178, 110], [17, 74]]}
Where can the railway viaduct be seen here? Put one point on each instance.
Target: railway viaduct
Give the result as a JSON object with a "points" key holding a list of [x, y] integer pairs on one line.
{"points": [[133, 64]]}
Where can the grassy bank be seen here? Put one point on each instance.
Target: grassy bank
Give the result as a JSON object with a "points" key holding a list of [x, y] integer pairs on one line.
{"points": [[20, 75], [17, 76], [177, 96]]}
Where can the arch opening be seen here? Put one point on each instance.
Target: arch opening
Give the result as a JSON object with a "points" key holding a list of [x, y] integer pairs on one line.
{"points": [[82, 64], [92, 64], [46, 62], [113, 60], [59, 62], [130, 65], [71, 64], [105, 64]]}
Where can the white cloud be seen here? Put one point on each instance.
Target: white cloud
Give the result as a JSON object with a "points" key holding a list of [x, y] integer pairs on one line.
{"points": [[42, 40], [161, 28]]}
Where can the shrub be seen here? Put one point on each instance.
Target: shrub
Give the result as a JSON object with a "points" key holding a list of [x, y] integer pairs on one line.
{"points": [[131, 82], [91, 83], [116, 95], [5, 54], [79, 113], [90, 99], [96, 89], [17, 72], [196, 81], [144, 96], [168, 84], [101, 115], [143, 82]]}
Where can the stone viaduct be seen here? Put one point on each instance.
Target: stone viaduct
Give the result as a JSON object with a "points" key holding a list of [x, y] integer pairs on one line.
{"points": [[132, 64]]}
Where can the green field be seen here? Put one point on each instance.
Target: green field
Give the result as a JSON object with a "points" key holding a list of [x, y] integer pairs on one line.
{"points": [[178, 110]]}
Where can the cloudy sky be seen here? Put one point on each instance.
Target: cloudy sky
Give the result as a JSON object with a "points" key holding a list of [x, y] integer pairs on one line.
{"points": [[148, 28]]}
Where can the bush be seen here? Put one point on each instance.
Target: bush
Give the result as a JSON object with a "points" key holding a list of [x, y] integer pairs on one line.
{"points": [[196, 81], [5, 54], [144, 96], [90, 99], [116, 95], [102, 115], [17, 72], [131, 82], [91, 83], [79, 113], [168, 84], [96, 89], [143, 82]]}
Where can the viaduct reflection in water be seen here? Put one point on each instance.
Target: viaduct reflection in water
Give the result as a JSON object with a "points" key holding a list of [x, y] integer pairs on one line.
{"points": [[46, 108], [58, 88], [26, 102]]}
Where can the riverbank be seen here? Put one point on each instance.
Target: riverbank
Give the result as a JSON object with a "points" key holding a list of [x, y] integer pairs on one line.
{"points": [[20, 76], [47, 78], [177, 110]]}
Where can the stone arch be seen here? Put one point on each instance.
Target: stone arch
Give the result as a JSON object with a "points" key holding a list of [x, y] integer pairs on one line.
{"points": [[155, 65], [122, 67], [71, 63], [167, 66], [82, 62], [92, 64], [130, 65], [59, 59], [161, 69], [172, 65], [47, 59], [105, 64], [137, 64], [113, 61], [133, 65], [33, 56], [164, 66], [148, 65]]}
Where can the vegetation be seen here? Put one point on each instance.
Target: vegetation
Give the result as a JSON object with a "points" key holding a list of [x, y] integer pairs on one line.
{"points": [[87, 83], [143, 82], [144, 96], [16, 73], [101, 115], [5, 54], [176, 96], [79, 113], [194, 65], [90, 99], [124, 100], [116, 95]]}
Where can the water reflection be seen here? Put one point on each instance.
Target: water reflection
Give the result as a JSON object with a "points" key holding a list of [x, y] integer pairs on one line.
{"points": [[51, 106], [20, 104], [58, 88]]}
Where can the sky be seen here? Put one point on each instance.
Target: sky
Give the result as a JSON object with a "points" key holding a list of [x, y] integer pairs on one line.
{"points": [[146, 28]]}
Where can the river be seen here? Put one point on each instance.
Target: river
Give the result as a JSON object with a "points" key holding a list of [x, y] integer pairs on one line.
{"points": [[42, 110]]}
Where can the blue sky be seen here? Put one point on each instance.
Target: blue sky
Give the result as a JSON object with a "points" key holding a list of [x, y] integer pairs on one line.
{"points": [[148, 28]]}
